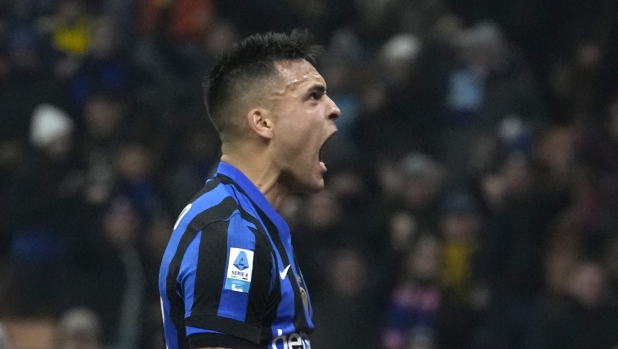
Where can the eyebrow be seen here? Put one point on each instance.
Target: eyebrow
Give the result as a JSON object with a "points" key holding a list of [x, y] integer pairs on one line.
{"points": [[316, 88]]}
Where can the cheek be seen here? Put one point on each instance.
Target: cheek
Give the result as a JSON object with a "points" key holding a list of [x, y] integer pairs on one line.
{"points": [[292, 138], [290, 150], [297, 137]]}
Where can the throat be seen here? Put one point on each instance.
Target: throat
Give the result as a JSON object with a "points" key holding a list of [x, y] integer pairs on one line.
{"points": [[265, 178], [278, 191]]}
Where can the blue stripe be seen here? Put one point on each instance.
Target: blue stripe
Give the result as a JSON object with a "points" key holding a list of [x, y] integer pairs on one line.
{"points": [[168, 327], [186, 277], [234, 304], [195, 330], [169, 330]]}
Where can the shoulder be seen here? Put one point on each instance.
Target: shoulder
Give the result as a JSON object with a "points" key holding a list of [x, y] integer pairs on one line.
{"points": [[216, 202]]}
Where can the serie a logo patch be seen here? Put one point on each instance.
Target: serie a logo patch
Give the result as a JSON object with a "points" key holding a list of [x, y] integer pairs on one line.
{"points": [[239, 270]]}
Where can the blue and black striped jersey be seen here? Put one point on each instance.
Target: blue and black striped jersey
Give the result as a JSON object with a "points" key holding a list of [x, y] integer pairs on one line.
{"points": [[229, 277]]}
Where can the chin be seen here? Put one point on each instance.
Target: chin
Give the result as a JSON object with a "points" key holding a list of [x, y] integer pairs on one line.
{"points": [[317, 188], [309, 188], [315, 184]]}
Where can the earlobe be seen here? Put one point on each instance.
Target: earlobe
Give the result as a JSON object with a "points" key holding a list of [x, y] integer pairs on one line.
{"points": [[260, 122]]}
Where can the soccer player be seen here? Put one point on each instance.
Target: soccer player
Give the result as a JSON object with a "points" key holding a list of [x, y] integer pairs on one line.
{"points": [[229, 277]]}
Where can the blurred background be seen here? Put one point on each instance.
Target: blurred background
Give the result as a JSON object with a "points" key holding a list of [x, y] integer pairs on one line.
{"points": [[472, 192]]}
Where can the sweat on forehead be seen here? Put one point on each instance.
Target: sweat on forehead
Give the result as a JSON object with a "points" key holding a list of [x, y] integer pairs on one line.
{"points": [[294, 75], [298, 69]]}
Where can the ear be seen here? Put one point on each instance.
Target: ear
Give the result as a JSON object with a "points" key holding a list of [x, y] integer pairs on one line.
{"points": [[260, 121]]}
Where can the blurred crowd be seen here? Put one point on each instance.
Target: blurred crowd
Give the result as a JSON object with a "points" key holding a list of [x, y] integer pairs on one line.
{"points": [[472, 192]]}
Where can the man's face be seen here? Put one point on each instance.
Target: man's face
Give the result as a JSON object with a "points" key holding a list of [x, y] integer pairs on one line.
{"points": [[304, 121]]}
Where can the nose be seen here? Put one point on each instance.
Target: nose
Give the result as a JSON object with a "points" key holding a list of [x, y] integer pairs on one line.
{"points": [[334, 110]]}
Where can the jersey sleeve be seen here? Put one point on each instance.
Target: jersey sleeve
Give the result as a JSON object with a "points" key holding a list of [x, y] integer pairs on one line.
{"points": [[226, 287]]}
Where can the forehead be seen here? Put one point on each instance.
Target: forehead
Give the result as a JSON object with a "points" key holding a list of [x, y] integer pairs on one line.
{"points": [[297, 73]]}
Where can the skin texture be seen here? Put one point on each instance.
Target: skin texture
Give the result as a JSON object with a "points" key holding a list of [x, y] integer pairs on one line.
{"points": [[279, 147]]}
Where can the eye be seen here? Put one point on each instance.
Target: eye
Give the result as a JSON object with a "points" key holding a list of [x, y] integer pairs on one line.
{"points": [[316, 95]]}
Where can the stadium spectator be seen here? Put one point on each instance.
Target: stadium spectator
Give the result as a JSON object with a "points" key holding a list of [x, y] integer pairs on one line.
{"points": [[459, 227], [199, 153], [477, 101], [104, 67], [80, 328], [135, 164], [513, 248], [105, 120], [417, 296], [179, 20], [587, 317], [319, 234], [112, 258], [460, 224], [70, 28], [345, 309], [24, 83], [40, 211]]}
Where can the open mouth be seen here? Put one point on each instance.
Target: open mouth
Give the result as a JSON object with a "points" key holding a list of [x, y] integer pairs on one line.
{"points": [[324, 145]]}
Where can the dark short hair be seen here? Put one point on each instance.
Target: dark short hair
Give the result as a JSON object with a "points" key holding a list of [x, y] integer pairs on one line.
{"points": [[249, 62]]}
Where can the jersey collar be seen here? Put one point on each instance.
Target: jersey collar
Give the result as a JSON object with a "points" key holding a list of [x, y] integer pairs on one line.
{"points": [[254, 194]]}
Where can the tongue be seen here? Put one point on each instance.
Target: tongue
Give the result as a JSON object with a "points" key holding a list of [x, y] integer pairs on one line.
{"points": [[323, 165]]}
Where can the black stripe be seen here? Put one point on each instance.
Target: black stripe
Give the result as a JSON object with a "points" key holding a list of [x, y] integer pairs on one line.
{"points": [[260, 288], [211, 265], [210, 185], [227, 326], [173, 289], [300, 320], [303, 285], [212, 340], [270, 313]]}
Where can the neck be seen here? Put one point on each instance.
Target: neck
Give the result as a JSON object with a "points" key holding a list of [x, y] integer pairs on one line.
{"points": [[260, 170]]}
